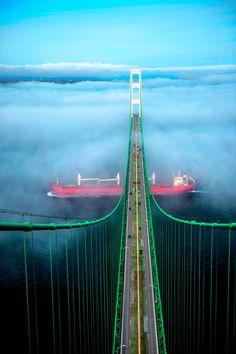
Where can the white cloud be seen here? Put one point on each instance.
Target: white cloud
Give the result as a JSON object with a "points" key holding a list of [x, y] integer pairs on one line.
{"points": [[96, 70], [49, 131], [63, 69]]}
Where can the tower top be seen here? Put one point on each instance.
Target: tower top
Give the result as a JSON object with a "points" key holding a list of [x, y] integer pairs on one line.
{"points": [[136, 71], [135, 92]]}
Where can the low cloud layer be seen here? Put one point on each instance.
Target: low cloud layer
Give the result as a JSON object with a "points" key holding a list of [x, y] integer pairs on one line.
{"points": [[49, 130], [191, 126], [53, 131]]}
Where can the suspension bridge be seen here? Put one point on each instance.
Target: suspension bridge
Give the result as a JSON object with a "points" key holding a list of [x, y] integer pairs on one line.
{"points": [[137, 280]]}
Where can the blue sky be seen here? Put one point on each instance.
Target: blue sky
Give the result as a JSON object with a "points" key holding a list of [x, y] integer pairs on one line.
{"points": [[142, 33]]}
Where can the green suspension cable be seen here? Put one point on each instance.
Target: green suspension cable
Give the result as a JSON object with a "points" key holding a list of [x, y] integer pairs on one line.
{"points": [[193, 222], [29, 226]]}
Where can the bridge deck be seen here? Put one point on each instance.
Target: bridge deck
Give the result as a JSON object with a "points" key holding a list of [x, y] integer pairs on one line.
{"points": [[139, 333]]}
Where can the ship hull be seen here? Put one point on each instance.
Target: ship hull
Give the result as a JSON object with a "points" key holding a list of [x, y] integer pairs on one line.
{"points": [[67, 191], [84, 191], [169, 189]]}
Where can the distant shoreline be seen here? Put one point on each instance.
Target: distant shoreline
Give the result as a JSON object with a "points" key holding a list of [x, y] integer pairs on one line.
{"points": [[6, 80]]}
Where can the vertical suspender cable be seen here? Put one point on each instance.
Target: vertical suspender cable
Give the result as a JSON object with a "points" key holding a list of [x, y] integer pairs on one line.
{"points": [[27, 293], [87, 295], [210, 298], [166, 274], [58, 295], [216, 292], [179, 287], [194, 292], [190, 304], [199, 286], [228, 290], [35, 295], [78, 292], [203, 297], [68, 293], [84, 296], [173, 282], [52, 295], [102, 344], [73, 291], [184, 287], [234, 310], [97, 282], [170, 285], [106, 287], [92, 290], [161, 255]]}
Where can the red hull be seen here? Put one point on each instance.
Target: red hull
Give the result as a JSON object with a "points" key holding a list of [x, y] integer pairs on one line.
{"points": [[84, 191], [61, 190], [163, 189]]}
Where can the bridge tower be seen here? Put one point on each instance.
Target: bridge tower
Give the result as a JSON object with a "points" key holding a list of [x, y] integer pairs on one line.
{"points": [[136, 92]]}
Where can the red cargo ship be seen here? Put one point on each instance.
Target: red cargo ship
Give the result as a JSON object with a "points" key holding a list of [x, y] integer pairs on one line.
{"points": [[95, 187]]}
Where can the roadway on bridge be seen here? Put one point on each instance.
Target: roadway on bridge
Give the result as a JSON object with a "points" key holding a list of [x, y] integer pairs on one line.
{"points": [[139, 332]]}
